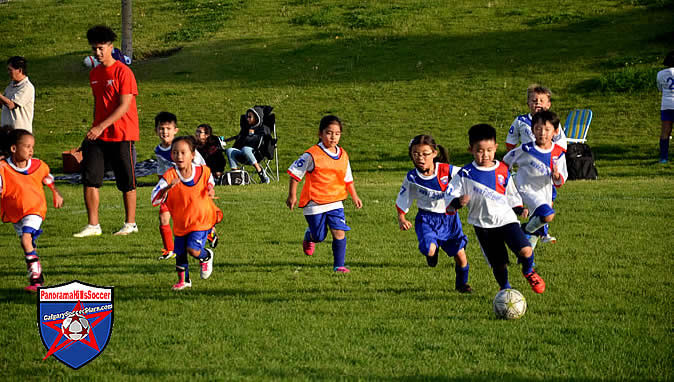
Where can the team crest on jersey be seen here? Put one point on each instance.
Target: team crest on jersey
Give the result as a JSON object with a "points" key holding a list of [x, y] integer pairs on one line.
{"points": [[75, 321], [501, 180], [444, 179]]}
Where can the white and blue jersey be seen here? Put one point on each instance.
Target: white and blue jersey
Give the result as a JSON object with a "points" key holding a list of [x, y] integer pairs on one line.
{"points": [[432, 223], [164, 161], [521, 132], [492, 194], [534, 175], [666, 86]]}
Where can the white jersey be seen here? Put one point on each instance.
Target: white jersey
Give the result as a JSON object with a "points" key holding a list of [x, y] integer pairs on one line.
{"points": [[521, 132], [534, 175], [492, 194], [666, 86], [164, 161], [430, 191], [304, 164]]}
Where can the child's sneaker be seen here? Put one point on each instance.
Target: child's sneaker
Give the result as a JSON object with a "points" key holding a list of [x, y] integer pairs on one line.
{"points": [[89, 230], [212, 238], [465, 288], [166, 255], [548, 239], [32, 288], [536, 282], [182, 285], [207, 265], [308, 247], [126, 229], [341, 270]]}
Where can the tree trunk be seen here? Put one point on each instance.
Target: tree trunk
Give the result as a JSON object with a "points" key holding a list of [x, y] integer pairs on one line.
{"points": [[127, 28]]}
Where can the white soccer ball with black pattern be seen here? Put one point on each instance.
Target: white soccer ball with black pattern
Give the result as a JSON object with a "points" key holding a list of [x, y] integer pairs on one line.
{"points": [[509, 304], [75, 327]]}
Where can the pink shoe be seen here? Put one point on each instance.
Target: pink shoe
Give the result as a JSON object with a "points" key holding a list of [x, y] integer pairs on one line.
{"points": [[341, 270], [32, 288], [308, 247], [182, 285]]}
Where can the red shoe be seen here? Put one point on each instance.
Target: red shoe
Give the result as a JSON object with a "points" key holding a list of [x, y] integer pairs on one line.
{"points": [[536, 282], [308, 247]]}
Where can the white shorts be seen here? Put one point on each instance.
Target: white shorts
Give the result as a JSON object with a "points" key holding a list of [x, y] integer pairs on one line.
{"points": [[29, 221]]}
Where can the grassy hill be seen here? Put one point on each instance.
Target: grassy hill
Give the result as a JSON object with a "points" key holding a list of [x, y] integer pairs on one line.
{"points": [[390, 70]]}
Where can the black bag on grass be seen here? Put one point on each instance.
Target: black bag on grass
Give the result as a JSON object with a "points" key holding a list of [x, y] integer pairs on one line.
{"points": [[234, 178], [580, 162]]}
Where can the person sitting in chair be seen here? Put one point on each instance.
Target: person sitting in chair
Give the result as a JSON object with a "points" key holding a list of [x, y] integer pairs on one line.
{"points": [[208, 145], [248, 140]]}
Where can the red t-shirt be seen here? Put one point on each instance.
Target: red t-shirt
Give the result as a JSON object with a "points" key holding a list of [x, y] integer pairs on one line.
{"points": [[108, 84]]}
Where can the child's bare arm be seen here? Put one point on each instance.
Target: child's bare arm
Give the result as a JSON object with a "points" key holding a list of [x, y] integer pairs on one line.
{"points": [[354, 195], [291, 202], [403, 223]]}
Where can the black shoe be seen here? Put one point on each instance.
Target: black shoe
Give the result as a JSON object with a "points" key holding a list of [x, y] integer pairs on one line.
{"points": [[465, 288]]}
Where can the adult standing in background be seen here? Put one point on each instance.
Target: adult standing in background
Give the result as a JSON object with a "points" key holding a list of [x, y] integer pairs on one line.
{"points": [[112, 136], [18, 100]]}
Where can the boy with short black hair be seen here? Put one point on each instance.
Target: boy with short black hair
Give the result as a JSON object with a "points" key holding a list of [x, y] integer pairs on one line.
{"points": [[541, 165], [485, 186]]}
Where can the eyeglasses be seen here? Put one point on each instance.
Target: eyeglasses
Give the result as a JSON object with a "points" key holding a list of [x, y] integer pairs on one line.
{"points": [[416, 154]]}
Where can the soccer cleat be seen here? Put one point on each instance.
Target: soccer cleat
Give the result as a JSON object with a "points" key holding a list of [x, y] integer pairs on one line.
{"points": [[90, 230], [465, 288], [182, 285], [166, 255], [126, 229], [548, 239], [308, 247], [536, 282], [213, 238], [207, 265], [32, 288], [341, 270]]}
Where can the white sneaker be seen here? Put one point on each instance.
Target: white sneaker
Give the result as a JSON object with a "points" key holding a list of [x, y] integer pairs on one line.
{"points": [[127, 228], [548, 239], [90, 230], [207, 266]]}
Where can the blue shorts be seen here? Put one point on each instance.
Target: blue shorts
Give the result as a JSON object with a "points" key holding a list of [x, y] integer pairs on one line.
{"points": [[195, 240], [667, 115], [493, 242], [318, 223], [543, 210], [440, 229]]}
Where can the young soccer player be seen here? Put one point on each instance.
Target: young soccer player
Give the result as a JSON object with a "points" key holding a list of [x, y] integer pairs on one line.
{"points": [[541, 165], [435, 228], [486, 187], [539, 98], [23, 202], [666, 86], [328, 179], [166, 127], [187, 190]]}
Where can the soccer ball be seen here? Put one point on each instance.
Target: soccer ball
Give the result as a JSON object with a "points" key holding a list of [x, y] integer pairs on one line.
{"points": [[91, 62], [509, 304], [75, 327]]}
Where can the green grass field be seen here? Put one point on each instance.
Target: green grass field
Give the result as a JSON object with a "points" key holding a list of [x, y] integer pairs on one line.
{"points": [[391, 70]]}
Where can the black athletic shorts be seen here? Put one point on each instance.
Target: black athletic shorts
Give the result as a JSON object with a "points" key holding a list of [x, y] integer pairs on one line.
{"points": [[119, 155], [493, 242]]}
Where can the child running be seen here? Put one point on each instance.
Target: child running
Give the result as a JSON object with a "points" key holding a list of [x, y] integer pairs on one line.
{"points": [[328, 179], [541, 164], [486, 187], [187, 190], [666, 86], [23, 202], [427, 184], [539, 98], [166, 127]]}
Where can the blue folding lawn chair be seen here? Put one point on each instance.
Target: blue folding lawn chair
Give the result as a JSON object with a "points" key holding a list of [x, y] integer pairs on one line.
{"points": [[577, 125]]}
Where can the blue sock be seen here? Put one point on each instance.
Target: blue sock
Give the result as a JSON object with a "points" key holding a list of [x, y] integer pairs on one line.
{"points": [[664, 149], [183, 266], [307, 235], [461, 275], [527, 263], [501, 275], [339, 252]]}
